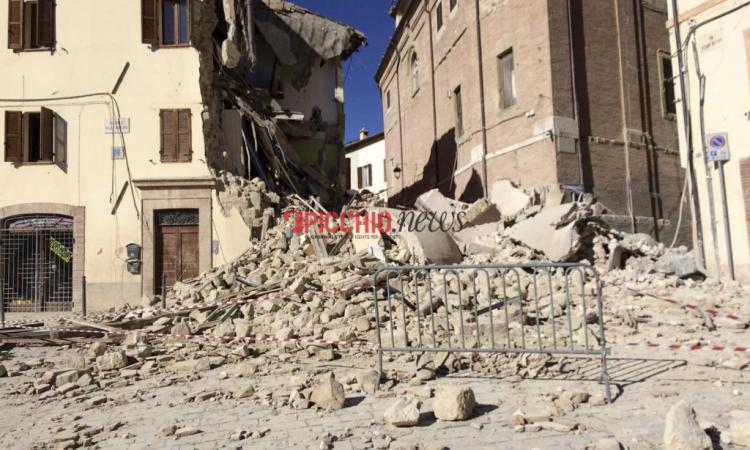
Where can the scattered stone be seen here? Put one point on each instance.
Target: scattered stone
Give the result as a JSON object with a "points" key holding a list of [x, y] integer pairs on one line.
{"points": [[191, 365], [168, 430], [100, 400], [328, 394], [368, 381], [681, 431], [97, 349], [403, 413], [185, 432], [453, 403], [3, 371], [112, 361]]}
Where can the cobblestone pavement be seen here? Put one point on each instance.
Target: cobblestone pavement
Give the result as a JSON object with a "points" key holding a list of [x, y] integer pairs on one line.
{"points": [[134, 414]]}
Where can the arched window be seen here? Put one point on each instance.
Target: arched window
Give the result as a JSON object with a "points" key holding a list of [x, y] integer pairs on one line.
{"points": [[414, 67]]}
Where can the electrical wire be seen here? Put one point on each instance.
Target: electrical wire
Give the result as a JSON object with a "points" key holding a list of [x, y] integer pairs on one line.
{"points": [[116, 109]]}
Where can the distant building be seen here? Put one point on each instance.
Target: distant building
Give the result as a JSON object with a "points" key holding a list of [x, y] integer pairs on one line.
{"points": [[367, 164], [715, 37], [562, 94]]}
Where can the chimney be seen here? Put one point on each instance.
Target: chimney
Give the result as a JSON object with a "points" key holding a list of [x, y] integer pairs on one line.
{"points": [[363, 133]]}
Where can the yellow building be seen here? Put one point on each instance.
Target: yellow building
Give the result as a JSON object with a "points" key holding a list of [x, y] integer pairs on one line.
{"points": [[715, 140], [112, 136]]}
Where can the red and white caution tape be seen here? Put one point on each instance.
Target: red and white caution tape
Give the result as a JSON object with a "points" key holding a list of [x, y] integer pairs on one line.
{"points": [[713, 312], [691, 347]]}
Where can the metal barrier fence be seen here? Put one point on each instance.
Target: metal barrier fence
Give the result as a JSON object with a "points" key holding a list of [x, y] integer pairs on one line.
{"points": [[531, 308]]}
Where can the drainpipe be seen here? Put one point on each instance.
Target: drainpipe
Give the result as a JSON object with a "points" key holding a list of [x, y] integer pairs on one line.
{"points": [[434, 106], [695, 204], [481, 99], [574, 91], [624, 111]]}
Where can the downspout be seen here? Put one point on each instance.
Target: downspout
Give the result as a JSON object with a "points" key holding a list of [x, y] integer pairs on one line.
{"points": [[434, 107], [481, 99], [695, 204], [574, 91], [624, 111]]}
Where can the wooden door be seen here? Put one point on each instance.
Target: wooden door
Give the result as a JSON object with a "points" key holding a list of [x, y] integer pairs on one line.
{"points": [[177, 254]]}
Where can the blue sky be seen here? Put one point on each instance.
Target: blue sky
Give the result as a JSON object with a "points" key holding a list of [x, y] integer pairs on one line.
{"points": [[362, 100]]}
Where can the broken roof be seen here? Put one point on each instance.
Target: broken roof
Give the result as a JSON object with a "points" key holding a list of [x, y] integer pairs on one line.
{"points": [[295, 32]]}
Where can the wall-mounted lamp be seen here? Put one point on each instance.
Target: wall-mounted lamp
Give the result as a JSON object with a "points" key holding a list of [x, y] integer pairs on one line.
{"points": [[397, 172]]}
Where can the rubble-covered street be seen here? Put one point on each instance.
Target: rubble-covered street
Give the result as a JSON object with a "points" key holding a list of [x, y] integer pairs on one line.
{"points": [[392, 224], [279, 348]]}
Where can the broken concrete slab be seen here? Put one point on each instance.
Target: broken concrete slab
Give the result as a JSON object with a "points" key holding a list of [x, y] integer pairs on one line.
{"points": [[552, 232], [681, 265], [508, 198]]}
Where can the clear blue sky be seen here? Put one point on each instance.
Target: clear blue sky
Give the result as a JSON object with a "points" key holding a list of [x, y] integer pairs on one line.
{"points": [[362, 100]]}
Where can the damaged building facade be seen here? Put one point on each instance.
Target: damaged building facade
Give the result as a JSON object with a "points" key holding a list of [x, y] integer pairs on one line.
{"points": [[128, 156], [570, 97]]}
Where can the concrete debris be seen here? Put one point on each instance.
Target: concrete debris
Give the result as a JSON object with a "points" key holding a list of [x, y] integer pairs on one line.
{"points": [[681, 430], [680, 264], [403, 413], [508, 198], [112, 361], [553, 232], [328, 394], [453, 403]]}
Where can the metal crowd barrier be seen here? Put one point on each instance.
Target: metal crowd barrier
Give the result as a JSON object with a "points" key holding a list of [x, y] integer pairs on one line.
{"points": [[528, 308]]}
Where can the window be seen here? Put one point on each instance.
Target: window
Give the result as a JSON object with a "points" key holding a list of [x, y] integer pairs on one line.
{"points": [[364, 176], [385, 170], [669, 105], [439, 16], [506, 72], [34, 137], [454, 3], [165, 22], [459, 111], [31, 24], [388, 99], [414, 68], [176, 135]]}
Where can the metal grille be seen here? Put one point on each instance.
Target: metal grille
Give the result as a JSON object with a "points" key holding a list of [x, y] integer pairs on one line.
{"points": [[532, 308], [177, 217], [36, 264]]}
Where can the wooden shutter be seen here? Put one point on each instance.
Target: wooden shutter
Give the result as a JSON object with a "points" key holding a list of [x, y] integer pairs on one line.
{"points": [[369, 175], [184, 136], [61, 142], [150, 21], [46, 138], [359, 178], [13, 136], [15, 24], [168, 135], [46, 23]]}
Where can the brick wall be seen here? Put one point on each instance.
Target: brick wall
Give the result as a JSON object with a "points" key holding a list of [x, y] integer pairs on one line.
{"points": [[420, 129]]}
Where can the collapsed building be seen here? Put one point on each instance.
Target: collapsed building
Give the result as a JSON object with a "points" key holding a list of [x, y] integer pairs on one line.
{"points": [[134, 173]]}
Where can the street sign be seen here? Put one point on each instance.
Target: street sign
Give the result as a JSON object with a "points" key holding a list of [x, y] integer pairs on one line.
{"points": [[718, 146]]}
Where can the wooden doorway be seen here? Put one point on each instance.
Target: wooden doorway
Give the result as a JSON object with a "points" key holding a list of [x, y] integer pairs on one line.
{"points": [[177, 247]]}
